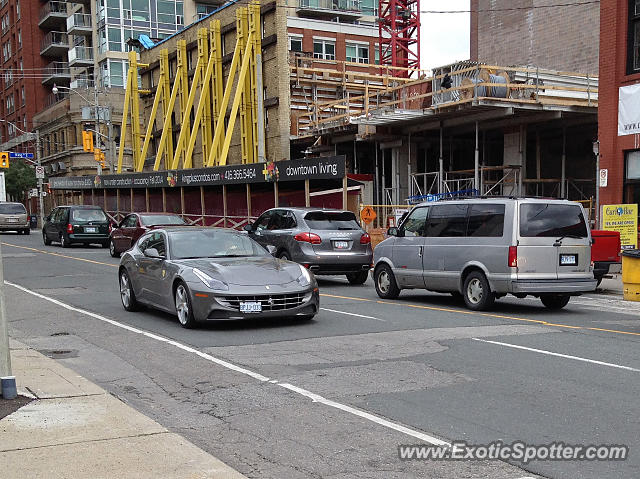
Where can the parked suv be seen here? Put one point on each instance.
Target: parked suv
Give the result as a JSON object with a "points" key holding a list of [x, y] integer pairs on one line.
{"points": [[486, 248], [76, 224], [324, 241], [13, 217]]}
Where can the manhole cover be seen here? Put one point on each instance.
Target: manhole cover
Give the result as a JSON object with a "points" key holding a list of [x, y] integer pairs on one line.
{"points": [[60, 353], [60, 334]]}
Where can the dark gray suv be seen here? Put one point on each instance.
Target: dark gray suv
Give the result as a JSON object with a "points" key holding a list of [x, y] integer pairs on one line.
{"points": [[324, 241]]}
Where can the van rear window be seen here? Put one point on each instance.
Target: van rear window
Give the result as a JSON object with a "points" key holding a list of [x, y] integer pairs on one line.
{"points": [[12, 209], [324, 220], [552, 220]]}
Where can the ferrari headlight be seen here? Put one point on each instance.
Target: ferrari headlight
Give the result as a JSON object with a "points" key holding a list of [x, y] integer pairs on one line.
{"points": [[305, 278], [209, 281]]}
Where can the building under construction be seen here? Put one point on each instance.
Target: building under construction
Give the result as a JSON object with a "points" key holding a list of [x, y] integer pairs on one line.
{"points": [[231, 90]]}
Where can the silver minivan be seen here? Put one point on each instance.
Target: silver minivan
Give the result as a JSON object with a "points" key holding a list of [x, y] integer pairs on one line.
{"points": [[13, 217], [486, 247]]}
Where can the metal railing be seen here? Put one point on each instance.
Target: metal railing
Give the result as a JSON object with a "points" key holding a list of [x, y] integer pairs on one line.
{"points": [[57, 68], [78, 20], [54, 38], [333, 5], [81, 54], [53, 7]]}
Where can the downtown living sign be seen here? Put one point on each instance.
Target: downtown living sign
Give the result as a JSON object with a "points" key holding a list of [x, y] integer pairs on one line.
{"points": [[324, 168], [622, 218], [629, 110]]}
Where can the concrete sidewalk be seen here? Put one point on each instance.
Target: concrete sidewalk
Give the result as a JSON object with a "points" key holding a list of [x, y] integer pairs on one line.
{"points": [[75, 429], [612, 285]]}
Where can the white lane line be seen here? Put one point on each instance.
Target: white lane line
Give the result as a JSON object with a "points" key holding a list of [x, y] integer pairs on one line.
{"points": [[221, 362], [353, 314], [566, 356]]}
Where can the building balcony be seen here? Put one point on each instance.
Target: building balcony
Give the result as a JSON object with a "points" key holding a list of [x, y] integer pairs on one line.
{"points": [[79, 24], [81, 57], [326, 9], [53, 15], [56, 72], [55, 44]]}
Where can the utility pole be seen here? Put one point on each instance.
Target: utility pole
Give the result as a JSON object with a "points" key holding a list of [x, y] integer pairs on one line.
{"points": [[39, 162], [7, 381]]}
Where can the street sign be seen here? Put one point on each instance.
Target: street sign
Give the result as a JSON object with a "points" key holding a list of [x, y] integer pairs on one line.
{"points": [[40, 172], [367, 214], [28, 156], [604, 177], [33, 192]]}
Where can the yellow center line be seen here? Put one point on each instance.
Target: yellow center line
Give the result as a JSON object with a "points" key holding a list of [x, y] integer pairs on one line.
{"points": [[477, 313], [61, 255]]}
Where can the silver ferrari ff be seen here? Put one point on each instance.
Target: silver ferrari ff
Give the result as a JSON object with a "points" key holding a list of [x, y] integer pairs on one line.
{"points": [[213, 273]]}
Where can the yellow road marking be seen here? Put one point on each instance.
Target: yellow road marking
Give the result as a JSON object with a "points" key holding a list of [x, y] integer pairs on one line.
{"points": [[61, 255]]}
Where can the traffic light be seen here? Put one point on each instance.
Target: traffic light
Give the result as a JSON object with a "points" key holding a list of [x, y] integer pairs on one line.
{"points": [[4, 159], [87, 140], [98, 155]]}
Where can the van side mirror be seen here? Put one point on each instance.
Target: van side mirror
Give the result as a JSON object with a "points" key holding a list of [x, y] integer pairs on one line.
{"points": [[248, 227], [393, 231], [272, 249]]}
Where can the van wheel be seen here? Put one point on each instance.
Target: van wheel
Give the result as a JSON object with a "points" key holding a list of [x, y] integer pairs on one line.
{"points": [[385, 282], [477, 293], [358, 278], [555, 301], [45, 239]]}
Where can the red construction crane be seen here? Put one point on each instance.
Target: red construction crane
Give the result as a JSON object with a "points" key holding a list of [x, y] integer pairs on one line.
{"points": [[399, 27]]}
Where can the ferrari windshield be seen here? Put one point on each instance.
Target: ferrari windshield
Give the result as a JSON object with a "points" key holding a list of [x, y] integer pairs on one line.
{"points": [[190, 244]]}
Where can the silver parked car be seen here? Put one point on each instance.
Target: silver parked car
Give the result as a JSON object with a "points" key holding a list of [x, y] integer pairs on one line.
{"points": [[212, 273], [13, 217], [324, 241], [485, 248]]}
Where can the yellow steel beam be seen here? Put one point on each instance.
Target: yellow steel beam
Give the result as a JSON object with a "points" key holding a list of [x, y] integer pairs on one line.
{"points": [[182, 138], [205, 93], [125, 113], [217, 89], [242, 30], [236, 104], [166, 99], [217, 138], [184, 92], [164, 137], [256, 26], [135, 111]]}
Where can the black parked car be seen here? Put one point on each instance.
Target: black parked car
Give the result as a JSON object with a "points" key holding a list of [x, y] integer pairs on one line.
{"points": [[76, 224]]}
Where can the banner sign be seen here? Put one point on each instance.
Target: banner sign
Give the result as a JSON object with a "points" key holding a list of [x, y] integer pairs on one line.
{"points": [[629, 110], [622, 218], [324, 168]]}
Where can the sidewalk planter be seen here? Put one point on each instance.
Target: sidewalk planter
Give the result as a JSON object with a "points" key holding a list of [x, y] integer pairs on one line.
{"points": [[631, 274]]}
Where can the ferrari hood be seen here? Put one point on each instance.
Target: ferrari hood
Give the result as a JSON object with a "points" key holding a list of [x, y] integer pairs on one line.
{"points": [[247, 271]]}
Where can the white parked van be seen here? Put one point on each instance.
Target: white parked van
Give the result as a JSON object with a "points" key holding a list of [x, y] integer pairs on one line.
{"points": [[487, 247]]}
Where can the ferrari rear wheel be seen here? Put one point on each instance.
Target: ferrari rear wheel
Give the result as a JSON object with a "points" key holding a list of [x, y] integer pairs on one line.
{"points": [[183, 306]]}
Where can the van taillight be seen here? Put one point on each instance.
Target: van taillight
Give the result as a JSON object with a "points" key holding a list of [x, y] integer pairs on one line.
{"points": [[308, 238], [513, 256], [69, 228], [365, 239]]}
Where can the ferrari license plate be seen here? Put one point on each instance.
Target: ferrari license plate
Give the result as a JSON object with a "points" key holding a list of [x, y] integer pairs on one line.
{"points": [[568, 260], [250, 307], [340, 244], [91, 229]]}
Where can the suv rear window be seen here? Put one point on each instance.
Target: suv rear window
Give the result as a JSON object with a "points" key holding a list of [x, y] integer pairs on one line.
{"points": [[324, 220], [88, 215], [552, 220], [12, 209]]}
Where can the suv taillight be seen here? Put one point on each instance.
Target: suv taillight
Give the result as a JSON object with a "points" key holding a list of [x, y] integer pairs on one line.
{"points": [[513, 256], [365, 239], [308, 238], [69, 228]]}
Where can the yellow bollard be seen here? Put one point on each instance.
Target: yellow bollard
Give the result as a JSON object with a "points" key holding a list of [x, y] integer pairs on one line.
{"points": [[631, 275]]}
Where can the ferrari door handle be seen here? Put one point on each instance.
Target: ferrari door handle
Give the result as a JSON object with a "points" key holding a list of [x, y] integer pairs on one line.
{"points": [[420, 251]]}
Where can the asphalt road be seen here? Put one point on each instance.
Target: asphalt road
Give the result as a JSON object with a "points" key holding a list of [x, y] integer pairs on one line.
{"points": [[334, 397]]}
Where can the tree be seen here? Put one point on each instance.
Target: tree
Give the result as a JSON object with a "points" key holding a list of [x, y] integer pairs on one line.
{"points": [[18, 179]]}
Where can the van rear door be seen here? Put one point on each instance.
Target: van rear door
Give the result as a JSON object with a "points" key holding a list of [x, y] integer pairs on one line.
{"points": [[553, 242]]}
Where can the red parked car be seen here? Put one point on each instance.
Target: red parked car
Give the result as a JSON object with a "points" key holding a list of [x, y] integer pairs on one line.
{"points": [[605, 253], [135, 225]]}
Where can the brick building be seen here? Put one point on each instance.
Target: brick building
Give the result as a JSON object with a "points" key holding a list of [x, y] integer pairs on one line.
{"points": [[527, 32], [619, 68]]}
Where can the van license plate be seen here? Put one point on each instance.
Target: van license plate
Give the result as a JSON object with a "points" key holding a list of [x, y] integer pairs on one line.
{"points": [[250, 307], [90, 230], [340, 244], [13, 220], [568, 260]]}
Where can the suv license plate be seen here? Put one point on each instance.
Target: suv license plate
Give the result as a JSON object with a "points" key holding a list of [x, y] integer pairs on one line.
{"points": [[568, 260], [12, 220], [250, 307], [90, 230], [340, 244]]}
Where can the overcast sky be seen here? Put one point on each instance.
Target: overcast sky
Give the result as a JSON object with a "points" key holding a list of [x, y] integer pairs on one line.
{"points": [[444, 37]]}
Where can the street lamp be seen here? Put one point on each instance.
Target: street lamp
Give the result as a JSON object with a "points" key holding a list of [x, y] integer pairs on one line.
{"points": [[96, 106]]}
